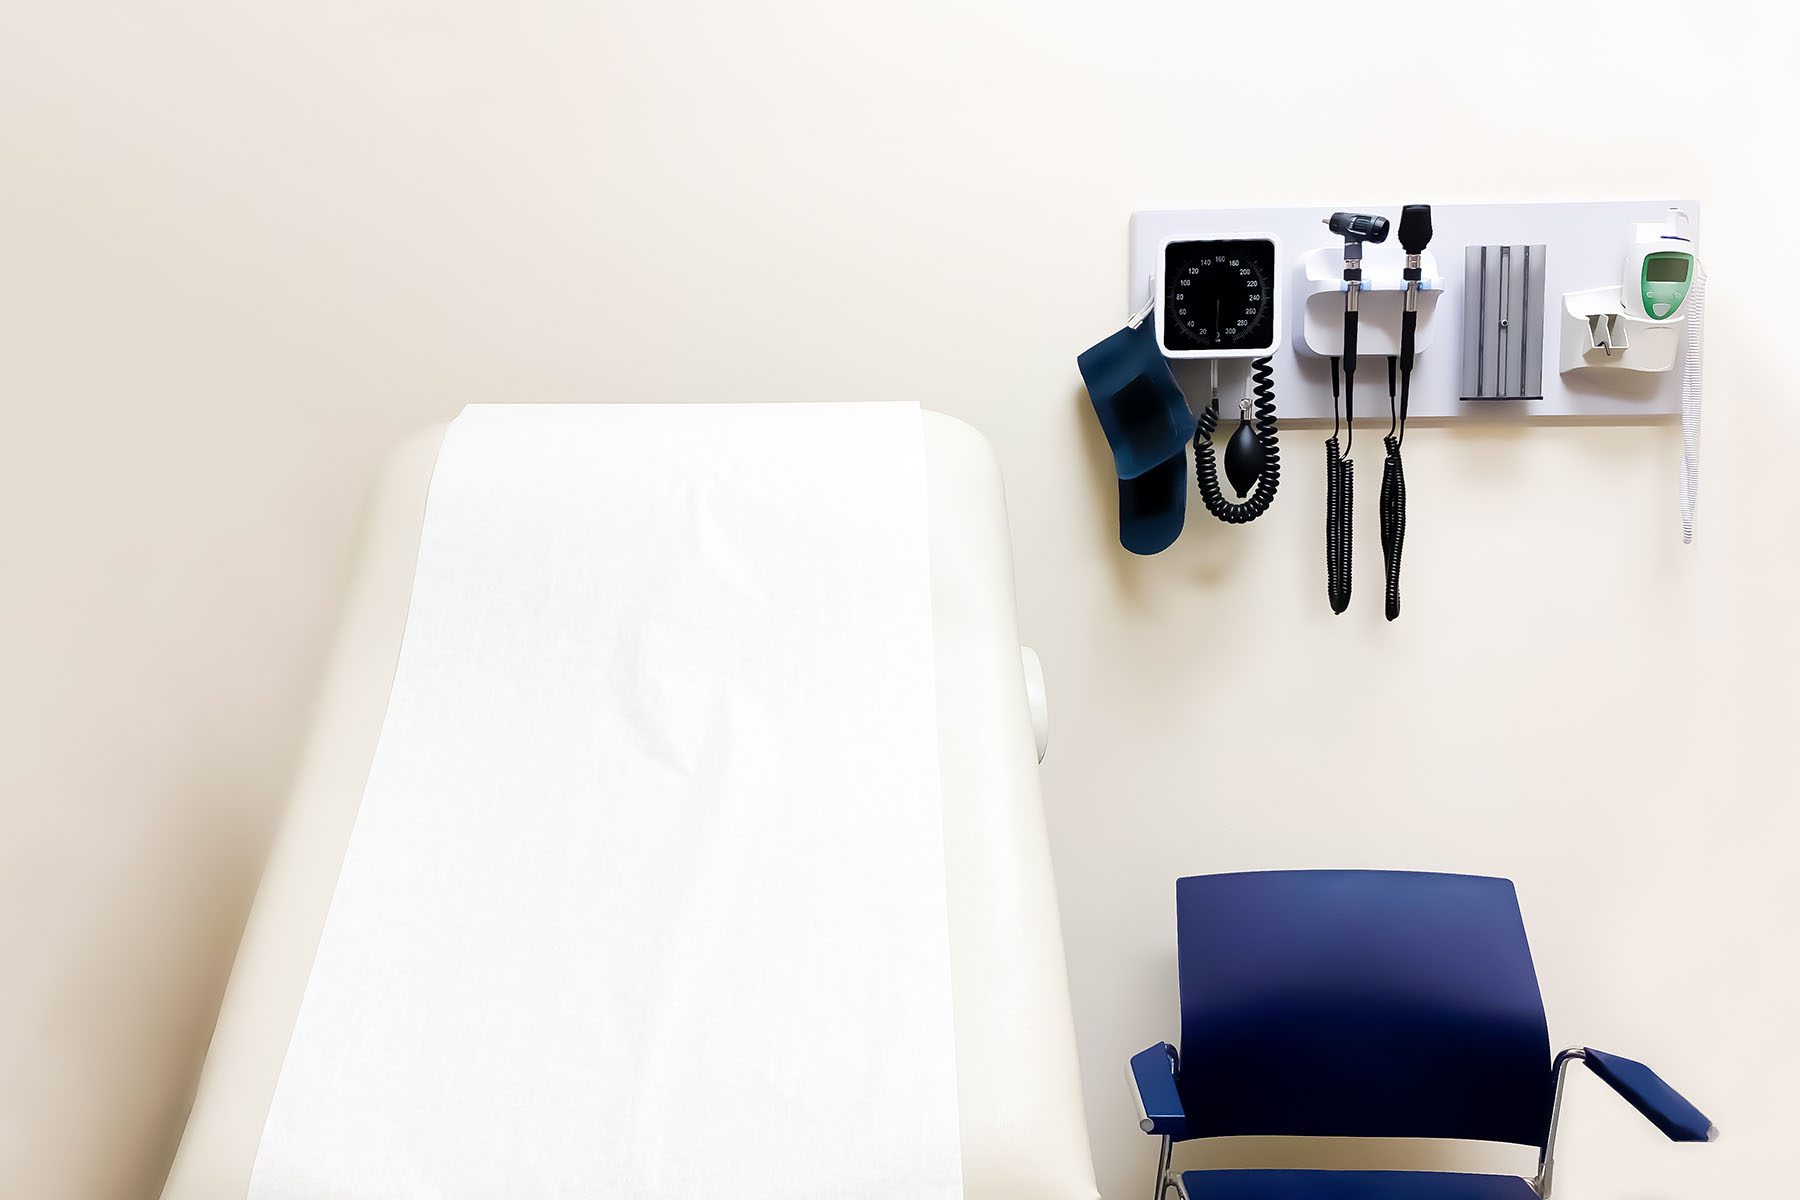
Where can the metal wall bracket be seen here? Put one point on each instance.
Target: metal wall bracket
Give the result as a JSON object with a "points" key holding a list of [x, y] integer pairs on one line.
{"points": [[1503, 323]]}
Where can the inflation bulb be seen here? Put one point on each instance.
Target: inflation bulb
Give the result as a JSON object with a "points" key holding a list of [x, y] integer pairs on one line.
{"points": [[1243, 454]]}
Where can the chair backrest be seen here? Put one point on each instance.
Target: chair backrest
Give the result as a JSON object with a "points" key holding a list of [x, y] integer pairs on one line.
{"points": [[1360, 1004]]}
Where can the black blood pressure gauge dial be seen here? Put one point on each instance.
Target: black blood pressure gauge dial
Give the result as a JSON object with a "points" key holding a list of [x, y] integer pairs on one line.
{"points": [[1218, 298]]}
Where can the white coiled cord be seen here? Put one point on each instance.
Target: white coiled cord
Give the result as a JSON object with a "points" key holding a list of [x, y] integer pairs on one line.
{"points": [[1690, 404]]}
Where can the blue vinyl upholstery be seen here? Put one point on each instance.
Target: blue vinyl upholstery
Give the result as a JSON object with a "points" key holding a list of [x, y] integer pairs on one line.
{"points": [[1365, 1004], [1159, 1104], [1351, 1185], [1666, 1108], [1359, 1004]]}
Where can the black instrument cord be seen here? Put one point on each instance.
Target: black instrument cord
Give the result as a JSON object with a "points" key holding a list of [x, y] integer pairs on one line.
{"points": [[1393, 414], [1206, 467], [1393, 489], [1340, 481], [1415, 235], [1356, 229]]}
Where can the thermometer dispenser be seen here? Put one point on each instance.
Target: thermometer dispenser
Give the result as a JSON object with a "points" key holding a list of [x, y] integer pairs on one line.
{"points": [[1659, 269], [1636, 325]]}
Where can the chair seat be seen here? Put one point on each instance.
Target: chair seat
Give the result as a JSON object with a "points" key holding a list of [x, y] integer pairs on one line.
{"points": [[1352, 1185]]}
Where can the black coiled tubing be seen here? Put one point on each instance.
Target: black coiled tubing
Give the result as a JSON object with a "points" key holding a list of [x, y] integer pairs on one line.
{"points": [[1393, 520], [1340, 492], [1206, 467], [1340, 507], [1393, 472]]}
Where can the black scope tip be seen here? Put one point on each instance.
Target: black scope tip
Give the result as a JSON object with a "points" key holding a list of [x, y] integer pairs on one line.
{"points": [[1415, 228], [1358, 227]]}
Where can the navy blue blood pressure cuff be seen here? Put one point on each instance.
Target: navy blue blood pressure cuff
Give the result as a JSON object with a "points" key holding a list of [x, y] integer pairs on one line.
{"points": [[1148, 426]]}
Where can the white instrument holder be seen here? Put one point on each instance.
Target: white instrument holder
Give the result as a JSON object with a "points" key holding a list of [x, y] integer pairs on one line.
{"points": [[1598, 334], [1320, 286]]}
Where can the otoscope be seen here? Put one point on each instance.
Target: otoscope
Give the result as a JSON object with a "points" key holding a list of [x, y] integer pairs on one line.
{"points": [[1355, 229], [1415, 235]]}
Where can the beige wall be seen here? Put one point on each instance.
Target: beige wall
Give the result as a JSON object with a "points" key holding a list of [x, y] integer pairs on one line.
{"points": [[243, 247]]}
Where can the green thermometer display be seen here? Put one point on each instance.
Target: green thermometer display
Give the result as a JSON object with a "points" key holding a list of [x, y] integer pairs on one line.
{"points": [[1664, 282]]}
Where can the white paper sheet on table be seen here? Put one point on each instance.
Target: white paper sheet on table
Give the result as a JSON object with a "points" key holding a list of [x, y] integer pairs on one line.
{"points": [[646, 894]]}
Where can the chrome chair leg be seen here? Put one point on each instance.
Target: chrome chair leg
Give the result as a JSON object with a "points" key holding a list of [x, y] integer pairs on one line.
{"points": [[1165, 1158]]}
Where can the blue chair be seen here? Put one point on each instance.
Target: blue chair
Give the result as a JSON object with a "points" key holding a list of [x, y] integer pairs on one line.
{"points": [[1366, 1004]]}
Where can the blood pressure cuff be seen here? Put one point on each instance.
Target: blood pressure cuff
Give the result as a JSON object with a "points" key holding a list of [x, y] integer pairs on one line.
{"points": [[1148, 425]]}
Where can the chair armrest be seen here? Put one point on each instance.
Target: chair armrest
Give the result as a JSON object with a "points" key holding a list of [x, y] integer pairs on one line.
{"points": [[1152, 1076], [1666, 1108]]}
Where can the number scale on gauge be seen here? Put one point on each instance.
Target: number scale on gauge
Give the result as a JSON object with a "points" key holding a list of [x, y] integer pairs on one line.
{"points": [[1217, 296]]}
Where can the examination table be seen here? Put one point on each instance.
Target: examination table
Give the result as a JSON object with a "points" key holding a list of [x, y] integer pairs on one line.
{"points": [[1021, 1122]]}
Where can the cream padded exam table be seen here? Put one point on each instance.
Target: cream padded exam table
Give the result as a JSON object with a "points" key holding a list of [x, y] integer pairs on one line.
{"points": [[1023, 1133]]}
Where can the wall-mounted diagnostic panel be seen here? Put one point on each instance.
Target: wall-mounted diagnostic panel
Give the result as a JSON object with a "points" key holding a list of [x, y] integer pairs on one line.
{"points": [[1539, 255], [1375, 315]]}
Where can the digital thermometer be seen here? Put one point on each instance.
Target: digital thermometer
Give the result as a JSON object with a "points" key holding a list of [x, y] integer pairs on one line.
{"points": [[1665, 283], [1659, 269]]}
